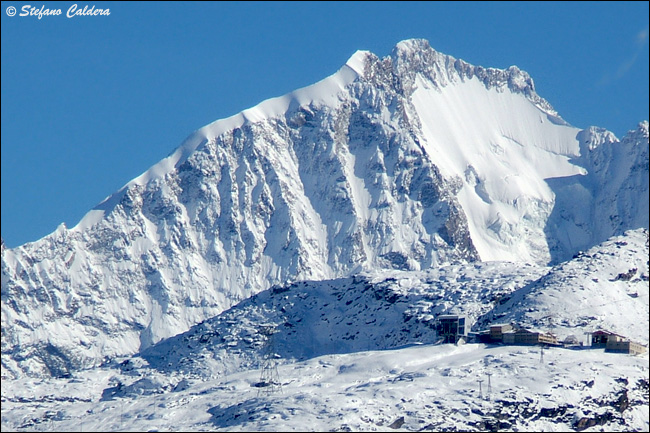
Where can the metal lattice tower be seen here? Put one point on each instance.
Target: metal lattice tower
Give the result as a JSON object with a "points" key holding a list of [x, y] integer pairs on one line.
{"points": [[269, 377], [489, 386]]}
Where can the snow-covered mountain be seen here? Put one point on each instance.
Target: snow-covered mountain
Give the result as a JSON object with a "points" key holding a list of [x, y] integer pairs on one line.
{"points": [[409, 162]]}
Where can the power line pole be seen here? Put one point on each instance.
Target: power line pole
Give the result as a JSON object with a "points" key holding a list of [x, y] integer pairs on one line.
{"points": [[480, 389], [269, 376], [489, 388], [541, 354]]}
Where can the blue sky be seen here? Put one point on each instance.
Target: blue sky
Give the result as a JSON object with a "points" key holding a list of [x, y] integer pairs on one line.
{"points": [[90, 102]]}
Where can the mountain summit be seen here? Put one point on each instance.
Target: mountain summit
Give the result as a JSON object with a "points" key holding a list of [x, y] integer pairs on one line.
{"points": [[405, 162]]}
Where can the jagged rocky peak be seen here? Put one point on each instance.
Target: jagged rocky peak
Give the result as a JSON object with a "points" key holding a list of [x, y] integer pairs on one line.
{"points": [[413, 57], [601, 146], [642, 129], [639, 135], [594, 137]]}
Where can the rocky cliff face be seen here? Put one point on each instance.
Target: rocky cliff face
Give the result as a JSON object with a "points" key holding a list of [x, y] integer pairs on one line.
{"points": [[405, 162]]}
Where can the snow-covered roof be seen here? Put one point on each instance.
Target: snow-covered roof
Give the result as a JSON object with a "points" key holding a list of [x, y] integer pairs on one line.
{"points": [[603, 331], [452, 316], [533, 331]]}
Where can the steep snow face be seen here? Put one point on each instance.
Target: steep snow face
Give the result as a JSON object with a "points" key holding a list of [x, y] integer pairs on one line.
{"points": [[407, 162], [502, 148], [533, 187]]}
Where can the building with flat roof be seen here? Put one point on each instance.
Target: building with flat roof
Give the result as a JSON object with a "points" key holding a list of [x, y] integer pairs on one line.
{"points": [[532, 337], [497, 330], [453, 328], [625, 346]]}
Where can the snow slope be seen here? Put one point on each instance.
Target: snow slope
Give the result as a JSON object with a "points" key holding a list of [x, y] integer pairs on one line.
{"points": [[605, 287], [420, 388], [409, 162]]}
